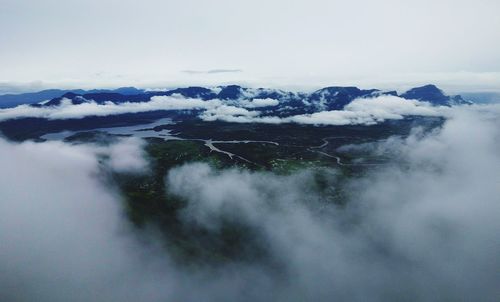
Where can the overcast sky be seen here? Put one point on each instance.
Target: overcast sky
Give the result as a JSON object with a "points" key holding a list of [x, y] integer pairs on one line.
{"points": [[153, 43]]}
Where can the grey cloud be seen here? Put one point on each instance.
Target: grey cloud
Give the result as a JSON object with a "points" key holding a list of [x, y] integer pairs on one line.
{"points": [[212, 71], [224, 70], [62, 229], [267, 44], [422, 229]]}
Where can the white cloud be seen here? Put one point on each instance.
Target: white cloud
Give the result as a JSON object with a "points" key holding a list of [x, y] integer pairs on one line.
{"points": [[391, 106], [364, 111], [67, 110], [127, 155], [227, 113], [256, 103], [370, 111]]}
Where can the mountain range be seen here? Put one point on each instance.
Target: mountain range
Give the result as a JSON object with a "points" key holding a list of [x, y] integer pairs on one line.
{"points": [[288, 103]]}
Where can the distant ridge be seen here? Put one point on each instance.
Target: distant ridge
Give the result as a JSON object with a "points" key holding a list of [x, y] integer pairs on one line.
{"points": [[12, 100]]}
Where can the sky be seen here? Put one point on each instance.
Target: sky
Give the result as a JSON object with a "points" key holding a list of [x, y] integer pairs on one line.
{"points": [[152, 43]]}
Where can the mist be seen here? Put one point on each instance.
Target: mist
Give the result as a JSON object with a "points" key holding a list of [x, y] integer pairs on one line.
{"points": [[422, 228]]}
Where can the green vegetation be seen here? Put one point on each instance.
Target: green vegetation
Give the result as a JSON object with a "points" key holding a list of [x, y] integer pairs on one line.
{"points": [[282, 149]]}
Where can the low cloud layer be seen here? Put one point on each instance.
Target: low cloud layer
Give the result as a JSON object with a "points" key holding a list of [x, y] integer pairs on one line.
{"points": [[362, 111], [67, 110], [365, 111], [424, 228]]}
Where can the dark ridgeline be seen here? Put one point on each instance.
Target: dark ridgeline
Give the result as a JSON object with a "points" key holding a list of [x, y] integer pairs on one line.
{"points": [[328, 98]]}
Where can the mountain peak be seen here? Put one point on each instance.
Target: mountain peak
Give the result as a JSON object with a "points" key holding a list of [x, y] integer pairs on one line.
{"points": [[230, 92], [432, 94], [69, 95]]}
